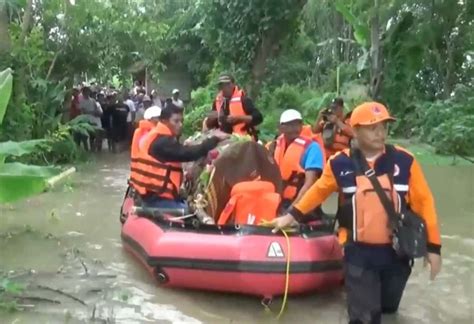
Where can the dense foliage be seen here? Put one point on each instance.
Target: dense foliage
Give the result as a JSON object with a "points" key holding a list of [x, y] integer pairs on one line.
{"points": [[18, 180], [415, 56]]}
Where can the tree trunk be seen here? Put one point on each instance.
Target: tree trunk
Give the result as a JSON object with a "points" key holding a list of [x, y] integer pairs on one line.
{"points": [[268, 48], [376, 54], [19, 85], [27, 21], [5, 42]]}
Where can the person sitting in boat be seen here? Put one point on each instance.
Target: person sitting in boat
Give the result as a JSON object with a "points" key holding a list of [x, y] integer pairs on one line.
{"points": [[157, 173], [299, 158]]}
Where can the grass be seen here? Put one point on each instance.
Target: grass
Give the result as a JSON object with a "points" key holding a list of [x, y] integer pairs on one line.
{"points": [[426, 154]]}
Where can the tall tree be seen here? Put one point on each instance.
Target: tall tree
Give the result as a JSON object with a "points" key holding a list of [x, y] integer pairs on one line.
{"points": [[246, 34]]}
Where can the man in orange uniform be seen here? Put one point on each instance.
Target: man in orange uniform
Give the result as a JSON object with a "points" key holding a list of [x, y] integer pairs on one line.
{"points": [[333, 127], [236, 113], [157, 173], [375, 276], [299, 158]]}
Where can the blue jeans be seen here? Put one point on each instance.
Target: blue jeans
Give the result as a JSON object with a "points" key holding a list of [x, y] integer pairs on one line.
{"points": [[158, 202]]}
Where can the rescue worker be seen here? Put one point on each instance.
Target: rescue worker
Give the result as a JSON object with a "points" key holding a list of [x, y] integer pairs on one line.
{"points": [[157, 173], [299, 158], [333, 127], [236, 113], [375, 276]]}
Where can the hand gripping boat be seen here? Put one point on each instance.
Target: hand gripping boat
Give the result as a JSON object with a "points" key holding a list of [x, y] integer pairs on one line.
{"points": [[240, 259]]}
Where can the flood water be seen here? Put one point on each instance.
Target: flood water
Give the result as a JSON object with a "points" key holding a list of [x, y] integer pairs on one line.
{"points": [[72, 244]]}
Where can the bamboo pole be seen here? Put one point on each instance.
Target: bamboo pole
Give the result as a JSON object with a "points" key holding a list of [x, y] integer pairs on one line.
{"points": [[54, 180]]}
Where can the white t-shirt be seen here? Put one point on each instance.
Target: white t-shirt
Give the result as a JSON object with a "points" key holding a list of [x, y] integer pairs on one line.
{"points": [[131, 107]]}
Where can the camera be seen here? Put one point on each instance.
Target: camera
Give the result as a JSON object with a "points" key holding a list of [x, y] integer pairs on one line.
{"points": [[327, 112]]}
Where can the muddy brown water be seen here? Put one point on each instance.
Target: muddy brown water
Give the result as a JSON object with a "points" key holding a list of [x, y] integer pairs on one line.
{"points": [[72, 244]]}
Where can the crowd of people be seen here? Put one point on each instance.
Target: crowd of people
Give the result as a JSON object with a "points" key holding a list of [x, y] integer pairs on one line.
{"points": [[115, 114], [340, 153]]}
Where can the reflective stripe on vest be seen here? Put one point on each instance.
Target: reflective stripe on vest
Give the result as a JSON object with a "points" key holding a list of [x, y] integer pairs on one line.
{"points": [[236, 108], [153, 176], [289, 163]]}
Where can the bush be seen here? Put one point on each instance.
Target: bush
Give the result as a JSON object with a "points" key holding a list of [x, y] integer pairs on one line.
{"points": [[448, 124], [274, 101], [201, 103], [193, 119]]}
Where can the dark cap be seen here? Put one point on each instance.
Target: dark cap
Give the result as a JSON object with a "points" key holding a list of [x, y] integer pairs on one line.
{"points": [[225, 78]]}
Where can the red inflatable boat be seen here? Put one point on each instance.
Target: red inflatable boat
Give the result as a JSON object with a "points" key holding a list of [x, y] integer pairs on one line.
{"points": [[246, 259]]}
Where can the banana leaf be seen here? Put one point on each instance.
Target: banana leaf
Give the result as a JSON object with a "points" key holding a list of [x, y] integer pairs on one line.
{"points": [[6, 84], [361, 29], [19, 180], [19, 148]]}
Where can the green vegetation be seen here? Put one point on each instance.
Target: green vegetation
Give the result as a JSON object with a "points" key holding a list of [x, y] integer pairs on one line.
{"points": [[18, 180], [414, 56]]}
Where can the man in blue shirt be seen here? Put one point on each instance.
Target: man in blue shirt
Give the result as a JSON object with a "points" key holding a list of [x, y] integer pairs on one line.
{"points": [[299, 158]]}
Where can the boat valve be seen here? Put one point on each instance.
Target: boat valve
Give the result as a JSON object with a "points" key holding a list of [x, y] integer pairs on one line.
{"points": [[161, 276]]}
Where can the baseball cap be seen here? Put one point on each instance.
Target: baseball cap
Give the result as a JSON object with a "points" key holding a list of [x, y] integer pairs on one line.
{"points": [[152, 112], [290, 115], [370, 113], [175, 91], [225, 78]]}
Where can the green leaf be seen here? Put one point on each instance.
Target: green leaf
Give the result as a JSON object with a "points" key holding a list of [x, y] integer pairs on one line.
{"points": [[20, 169], [6, 84], [19, 148], [10, 286], [19, 180], [361, 29], [362, 61]]}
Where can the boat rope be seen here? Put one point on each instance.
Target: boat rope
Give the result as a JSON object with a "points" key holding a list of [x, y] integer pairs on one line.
{"points": [[287, 271]]}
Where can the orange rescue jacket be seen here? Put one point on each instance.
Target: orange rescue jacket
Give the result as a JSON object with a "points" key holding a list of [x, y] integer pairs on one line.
{"points": [[144, 127], [251, 203], [236, 108], [288, 159], [308, 132], [150, 175]]}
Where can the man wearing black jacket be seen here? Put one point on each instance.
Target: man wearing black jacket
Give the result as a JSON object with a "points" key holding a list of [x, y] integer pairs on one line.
{"points": [[157, 175]]}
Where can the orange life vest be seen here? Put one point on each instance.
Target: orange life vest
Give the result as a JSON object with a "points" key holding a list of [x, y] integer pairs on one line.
{"points": [[339, 141], [361, 215], [370, 219], [288, 160], [150, 175], [308, 132], [251, 203], [236, 108], [144, 127]]}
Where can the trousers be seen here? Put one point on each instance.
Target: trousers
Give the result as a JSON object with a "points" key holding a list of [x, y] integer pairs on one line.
{"points": [[375, 278]]}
